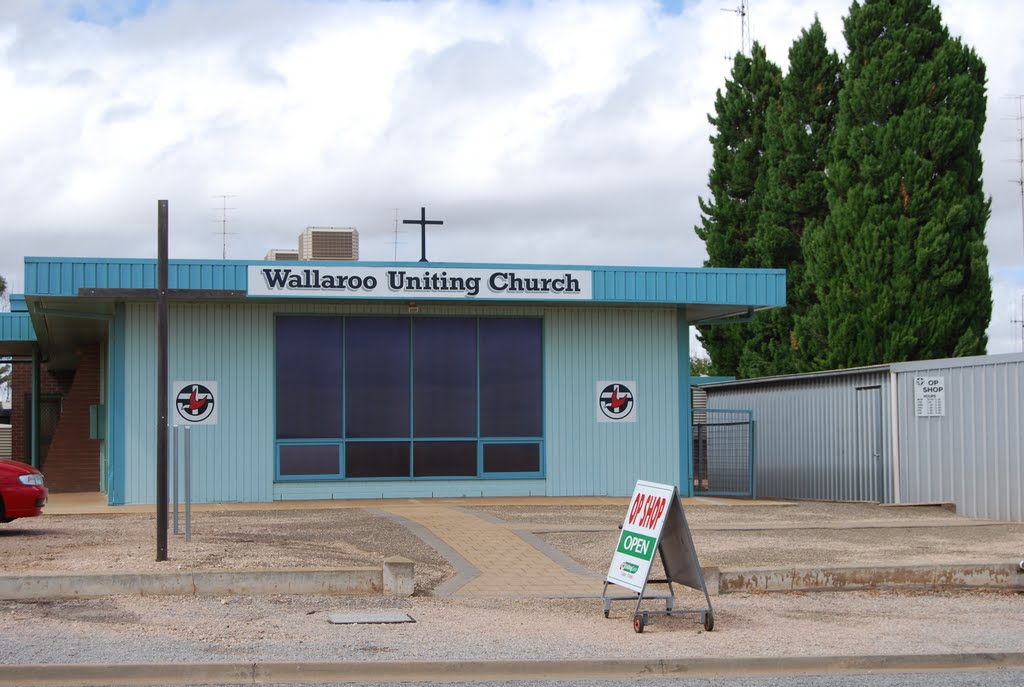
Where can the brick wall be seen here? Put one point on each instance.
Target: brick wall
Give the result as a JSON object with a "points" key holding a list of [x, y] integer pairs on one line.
{"points": [[72, 462]]}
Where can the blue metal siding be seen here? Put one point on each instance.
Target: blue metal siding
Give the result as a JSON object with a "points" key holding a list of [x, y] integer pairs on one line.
{"points": [[587, 345], [16, 326], [685, 400], [115, 441], [690, 285], [666, 285], [65, 276], [229, 344], [234, 345]]}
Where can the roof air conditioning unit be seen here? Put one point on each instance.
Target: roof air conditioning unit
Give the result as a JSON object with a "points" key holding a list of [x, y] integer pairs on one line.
{"points": [[282, 254], [329, 243]]}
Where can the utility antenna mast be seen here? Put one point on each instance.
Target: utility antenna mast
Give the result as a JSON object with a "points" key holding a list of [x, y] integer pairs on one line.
{"points": [[397, 233], [224, 224], [1019, 140], [1020, 321], [743, 12]]}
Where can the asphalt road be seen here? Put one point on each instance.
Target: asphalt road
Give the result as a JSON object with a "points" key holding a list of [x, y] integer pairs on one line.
{"points": [[974, 678]]}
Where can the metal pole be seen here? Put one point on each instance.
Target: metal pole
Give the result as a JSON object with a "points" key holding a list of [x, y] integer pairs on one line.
{"points": [[174, 471], [34, 449], [161, 383], [188, 484]]}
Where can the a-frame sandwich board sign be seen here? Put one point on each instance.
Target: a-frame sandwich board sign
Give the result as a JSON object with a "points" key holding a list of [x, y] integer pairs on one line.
{"points": [[655, 522]]}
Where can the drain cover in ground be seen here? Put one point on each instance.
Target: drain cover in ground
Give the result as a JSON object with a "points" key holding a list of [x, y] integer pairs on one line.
{"points": [[369, 618]]}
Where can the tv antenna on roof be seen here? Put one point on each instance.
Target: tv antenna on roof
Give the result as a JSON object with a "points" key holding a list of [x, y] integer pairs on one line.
{"points": [[1020, 321], [397, 242], [1019, 140], [224, 224], [743, 12]]}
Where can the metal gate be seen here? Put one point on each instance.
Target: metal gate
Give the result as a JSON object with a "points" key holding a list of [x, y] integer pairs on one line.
{"points": [[723, 453], [50, 406]]}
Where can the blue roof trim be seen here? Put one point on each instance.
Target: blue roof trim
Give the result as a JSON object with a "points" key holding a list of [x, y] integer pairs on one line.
{"points": [[16, 326], [65, 276], [611, 284]]}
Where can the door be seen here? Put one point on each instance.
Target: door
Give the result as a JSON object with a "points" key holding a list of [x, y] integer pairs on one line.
{"points": [[867, 462]]}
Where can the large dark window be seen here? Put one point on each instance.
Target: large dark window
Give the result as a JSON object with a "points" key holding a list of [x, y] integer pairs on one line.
{"points": [[308, 377], [407, 398], [510, 378], [444, 377], [377, 377]]}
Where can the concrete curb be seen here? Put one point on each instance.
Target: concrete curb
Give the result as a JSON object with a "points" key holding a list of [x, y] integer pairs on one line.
{"points": [[395, 578], [74, 675], [1007, 576]]}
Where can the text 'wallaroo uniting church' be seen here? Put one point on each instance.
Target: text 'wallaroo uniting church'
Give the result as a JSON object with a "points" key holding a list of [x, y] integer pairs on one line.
{"points": [[388, 282]]}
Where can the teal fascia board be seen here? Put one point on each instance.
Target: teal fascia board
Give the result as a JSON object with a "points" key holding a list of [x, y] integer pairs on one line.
{"points": [[16, 326], [65, 276], [756, 288]]}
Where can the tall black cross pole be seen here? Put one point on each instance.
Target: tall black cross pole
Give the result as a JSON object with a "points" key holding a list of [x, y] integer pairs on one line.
{"points": [[423, 222]]}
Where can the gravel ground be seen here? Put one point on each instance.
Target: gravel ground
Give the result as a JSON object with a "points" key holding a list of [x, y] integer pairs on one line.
{"points": [[126, 542], [295, 628], [764, 544], [292, 628], [363, 537]]}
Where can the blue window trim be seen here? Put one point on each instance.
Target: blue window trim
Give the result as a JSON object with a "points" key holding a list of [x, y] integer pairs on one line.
{"points": [[341, 442]]}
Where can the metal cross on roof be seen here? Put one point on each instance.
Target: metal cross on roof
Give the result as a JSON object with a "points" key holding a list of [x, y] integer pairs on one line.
{"points": [[423, 222]]}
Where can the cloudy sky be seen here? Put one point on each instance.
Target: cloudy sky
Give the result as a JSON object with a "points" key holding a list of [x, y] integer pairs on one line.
{"points": [[551, 132]]}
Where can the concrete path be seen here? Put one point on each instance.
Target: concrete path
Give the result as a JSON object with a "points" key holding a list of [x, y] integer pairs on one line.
{"points": [[497, 561]]}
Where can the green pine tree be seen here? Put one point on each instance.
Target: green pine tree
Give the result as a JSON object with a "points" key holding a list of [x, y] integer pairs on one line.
{"points": [[798, 129], [729, 217], [900, 266]]}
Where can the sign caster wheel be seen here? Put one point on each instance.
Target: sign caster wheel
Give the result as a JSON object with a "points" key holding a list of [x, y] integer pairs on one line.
{"points": [[709, 622], [638, 623], [606, 614]]}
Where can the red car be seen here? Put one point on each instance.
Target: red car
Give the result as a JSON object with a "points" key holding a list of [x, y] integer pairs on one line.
{"points": [[22, 494]]}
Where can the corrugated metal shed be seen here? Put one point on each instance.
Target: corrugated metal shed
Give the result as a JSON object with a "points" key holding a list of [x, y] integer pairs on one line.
{"points": [[818, 436], [859, 434], [973, 452]]}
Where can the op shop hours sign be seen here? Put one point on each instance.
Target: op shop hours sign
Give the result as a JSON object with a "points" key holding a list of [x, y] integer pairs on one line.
{"points": [[929, 396], [641, 531], [195, 403]]}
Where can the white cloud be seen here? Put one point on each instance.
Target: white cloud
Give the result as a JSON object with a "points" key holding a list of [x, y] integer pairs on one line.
{"points": [[554, 132]]}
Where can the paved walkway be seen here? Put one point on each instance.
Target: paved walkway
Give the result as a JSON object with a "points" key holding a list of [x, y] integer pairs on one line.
{"points": [[498, 561]]}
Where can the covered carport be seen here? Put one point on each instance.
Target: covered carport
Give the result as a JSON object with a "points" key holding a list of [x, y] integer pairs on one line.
{"points": [[57, 351]]}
